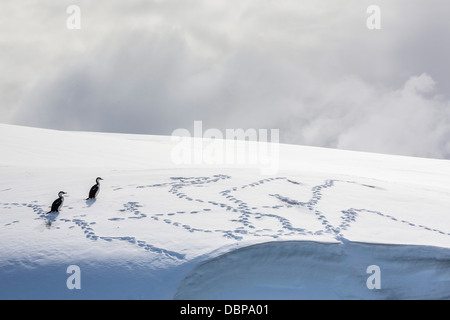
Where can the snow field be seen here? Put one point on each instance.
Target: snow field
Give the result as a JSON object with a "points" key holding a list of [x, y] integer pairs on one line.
{"points": [[163, 231]]}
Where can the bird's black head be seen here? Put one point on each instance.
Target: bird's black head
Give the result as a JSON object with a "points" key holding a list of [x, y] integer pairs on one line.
{"points": [[61, 193], [98, 179]]}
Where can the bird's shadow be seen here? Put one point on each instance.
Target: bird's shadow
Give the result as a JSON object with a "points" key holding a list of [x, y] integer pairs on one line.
{"points": [[90, 202], [51, 217]]}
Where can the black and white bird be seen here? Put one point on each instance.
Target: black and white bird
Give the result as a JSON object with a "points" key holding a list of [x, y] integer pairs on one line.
{"points": [[95, 189], [57, 204]]}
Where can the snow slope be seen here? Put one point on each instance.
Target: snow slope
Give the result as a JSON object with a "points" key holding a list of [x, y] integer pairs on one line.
{"points": [[160, 230]]}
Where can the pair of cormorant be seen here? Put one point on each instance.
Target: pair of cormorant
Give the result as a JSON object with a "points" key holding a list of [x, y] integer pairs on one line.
{"points": [[57, 204]]}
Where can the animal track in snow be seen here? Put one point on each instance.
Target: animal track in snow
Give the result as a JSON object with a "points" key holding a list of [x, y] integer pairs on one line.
{"points": [[245, 215], [240, 211], [133, 207], [348, 216]]}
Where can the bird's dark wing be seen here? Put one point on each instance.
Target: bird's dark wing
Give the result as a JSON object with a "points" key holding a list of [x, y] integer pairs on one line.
{"points": [[56, 204], [93, 191]]}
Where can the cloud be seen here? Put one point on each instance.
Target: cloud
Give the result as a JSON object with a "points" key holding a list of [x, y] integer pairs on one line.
{"points": [[412, 120], [311, 69]]}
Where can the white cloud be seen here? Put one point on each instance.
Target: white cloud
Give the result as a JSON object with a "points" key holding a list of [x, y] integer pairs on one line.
{"points": [[412, 120]]}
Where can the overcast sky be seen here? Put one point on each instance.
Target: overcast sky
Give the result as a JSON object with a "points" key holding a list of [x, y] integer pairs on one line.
{"points": [[310, 68]]}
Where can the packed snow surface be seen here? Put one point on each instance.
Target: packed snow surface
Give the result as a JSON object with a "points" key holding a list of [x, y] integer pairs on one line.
{"points": [[162, 230]]}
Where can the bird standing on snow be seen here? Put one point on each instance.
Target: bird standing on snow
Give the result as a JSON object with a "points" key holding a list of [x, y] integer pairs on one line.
{"points": [[57, 204], [95, 189]]}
